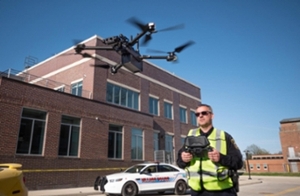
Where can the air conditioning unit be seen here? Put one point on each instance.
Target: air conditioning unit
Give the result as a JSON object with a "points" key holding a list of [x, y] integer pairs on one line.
{"points": [[163, 156]]}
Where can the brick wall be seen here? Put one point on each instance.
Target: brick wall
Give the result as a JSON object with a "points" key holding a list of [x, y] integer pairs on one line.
{"points": [[51, 171]]}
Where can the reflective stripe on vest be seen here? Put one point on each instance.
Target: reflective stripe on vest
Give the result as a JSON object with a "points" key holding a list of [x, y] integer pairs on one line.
{"points": [[214, 176]]}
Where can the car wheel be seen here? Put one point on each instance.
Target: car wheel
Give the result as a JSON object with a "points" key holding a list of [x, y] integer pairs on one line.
{"points": [[180, 188], [129, 189]]}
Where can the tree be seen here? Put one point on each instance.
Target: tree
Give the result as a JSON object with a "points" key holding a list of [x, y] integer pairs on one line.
{"points": [[255, 150]]}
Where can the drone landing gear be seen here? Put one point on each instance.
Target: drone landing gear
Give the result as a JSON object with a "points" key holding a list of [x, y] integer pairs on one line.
{"points": [[114, 69]]}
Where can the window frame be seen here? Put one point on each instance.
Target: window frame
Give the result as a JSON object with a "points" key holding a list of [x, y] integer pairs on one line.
{"points": [[193, 118], [118, 94], [154, 102], [183, 114], [33, 120], [78, 86], [168, 109], [116, 133], [137, 137], [71, 133]]}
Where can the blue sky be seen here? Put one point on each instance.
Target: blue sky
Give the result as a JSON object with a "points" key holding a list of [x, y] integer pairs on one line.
{"points": [[246, 59]]}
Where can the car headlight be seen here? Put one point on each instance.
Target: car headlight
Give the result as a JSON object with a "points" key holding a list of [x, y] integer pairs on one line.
{"points": [[115, 180]]}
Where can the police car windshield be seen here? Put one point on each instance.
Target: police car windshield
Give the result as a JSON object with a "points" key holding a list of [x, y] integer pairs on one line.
{"points": [[135, 169]]}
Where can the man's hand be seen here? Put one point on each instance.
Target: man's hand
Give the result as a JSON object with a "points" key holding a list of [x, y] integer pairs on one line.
{"points": [[186, 157], [214, 155]]}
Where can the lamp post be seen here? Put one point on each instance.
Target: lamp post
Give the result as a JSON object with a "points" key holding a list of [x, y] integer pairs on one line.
{"points": [[247, 159]]}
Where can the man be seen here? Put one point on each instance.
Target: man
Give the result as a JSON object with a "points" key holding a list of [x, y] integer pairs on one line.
{"points": [[211, 174]]}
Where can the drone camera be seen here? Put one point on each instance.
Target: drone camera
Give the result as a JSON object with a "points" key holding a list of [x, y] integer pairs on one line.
{"points": [[111, 40], [171, 57], [151, 27], [79, 48]]}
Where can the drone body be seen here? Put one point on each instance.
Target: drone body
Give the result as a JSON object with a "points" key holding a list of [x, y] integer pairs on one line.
{"points": [[130, 57]]}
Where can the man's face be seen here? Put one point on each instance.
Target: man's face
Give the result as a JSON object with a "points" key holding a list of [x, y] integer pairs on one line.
{"points": [[204, 117]]}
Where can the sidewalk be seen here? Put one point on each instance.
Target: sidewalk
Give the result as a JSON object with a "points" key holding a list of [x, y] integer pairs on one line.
{"points": [[90, 190]]}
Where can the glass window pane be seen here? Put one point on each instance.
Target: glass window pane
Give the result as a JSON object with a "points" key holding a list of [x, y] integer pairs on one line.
{"points": [[74, 141], [37, 137], [123, 97], [136, 144], [64, 140], [69, 136], [168, 110], [119, 146], [130, 99], [109, 92], [136, 101], [36, 114], [117, 95], [31, 133], [111, 139], [156, 141], [24, 136], [70, 120], [115, 141]]}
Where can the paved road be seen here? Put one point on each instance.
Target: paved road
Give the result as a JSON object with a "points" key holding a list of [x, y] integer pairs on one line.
{"points": [[273, 186], [257, 186]]}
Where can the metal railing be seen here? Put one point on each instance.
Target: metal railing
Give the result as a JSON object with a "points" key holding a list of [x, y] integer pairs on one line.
{"points": [[44, 82]]}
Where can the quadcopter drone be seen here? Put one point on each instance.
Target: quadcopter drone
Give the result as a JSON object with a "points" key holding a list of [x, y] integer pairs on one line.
{"points": [[130, 57]]}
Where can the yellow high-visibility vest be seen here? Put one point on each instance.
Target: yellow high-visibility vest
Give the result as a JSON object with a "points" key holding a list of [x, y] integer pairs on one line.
{"points": [[214, 176]]}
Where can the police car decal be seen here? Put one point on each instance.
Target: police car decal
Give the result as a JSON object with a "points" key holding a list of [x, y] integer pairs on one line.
{"points": [[154, 179]]}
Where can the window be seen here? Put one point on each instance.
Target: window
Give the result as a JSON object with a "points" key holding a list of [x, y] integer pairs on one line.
{"points": [[115, 142], [31, 133], [168, 110], [122, 96], [156, 141], [251, 166], [152, 169], [265, 166], [182, 114], [258, 166], [61, 88], [137, 144], [166, 168], [169, 148], [193, 118], [182, 140], [153, 106], [76, 88], [69, 136]]}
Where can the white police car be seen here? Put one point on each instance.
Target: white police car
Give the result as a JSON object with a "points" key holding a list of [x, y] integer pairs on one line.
{"points": [[144, 177]]}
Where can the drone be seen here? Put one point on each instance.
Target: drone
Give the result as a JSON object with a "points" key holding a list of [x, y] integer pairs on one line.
{"points": [[130, 55]]}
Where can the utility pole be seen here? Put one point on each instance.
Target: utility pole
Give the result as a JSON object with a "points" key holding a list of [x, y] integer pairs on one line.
{"points": [[247, 159]]}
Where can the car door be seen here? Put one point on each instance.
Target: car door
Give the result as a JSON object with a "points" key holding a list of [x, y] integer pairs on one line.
{"points": [[167, 176], [147, 180]]}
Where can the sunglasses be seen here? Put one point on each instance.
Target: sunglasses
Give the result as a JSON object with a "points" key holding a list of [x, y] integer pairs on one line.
{"points": [[204, 113]]}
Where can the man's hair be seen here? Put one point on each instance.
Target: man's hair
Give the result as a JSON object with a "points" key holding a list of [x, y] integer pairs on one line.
{"points": [[205, 105]]}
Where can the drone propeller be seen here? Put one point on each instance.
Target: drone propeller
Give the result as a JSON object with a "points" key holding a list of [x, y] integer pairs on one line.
{"points": [[148, 36], [172, 54], [180, 48], [137, 23], [176, 50], [144, 27]]}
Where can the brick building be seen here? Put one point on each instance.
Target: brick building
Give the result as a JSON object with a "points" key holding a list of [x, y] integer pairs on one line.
{"points": [[67, 122], [289, 160], [290, 143]]}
